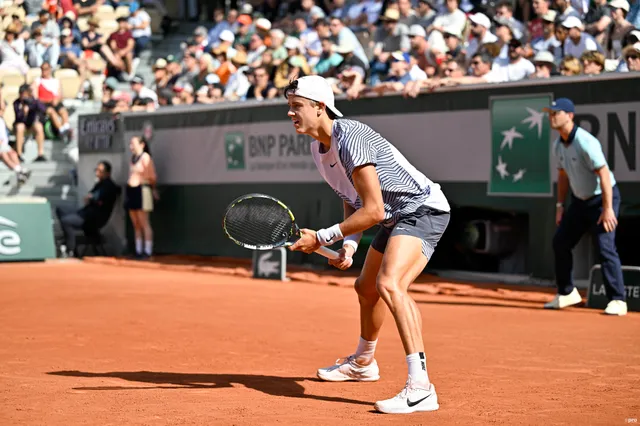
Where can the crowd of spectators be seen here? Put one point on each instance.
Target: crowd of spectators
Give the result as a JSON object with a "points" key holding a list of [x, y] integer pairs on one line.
{"points": [[375, 46]]}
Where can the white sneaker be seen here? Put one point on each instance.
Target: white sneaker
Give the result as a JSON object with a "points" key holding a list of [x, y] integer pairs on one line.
{"points": [[616, 307], [561, 301], [412, 398], [346, 369]]}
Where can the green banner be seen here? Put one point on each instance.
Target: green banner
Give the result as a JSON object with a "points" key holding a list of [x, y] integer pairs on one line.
{"points": [[520, 146], [26, 230]]}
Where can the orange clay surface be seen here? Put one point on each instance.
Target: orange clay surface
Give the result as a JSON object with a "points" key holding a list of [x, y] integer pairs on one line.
{"points": [[103, 342]]}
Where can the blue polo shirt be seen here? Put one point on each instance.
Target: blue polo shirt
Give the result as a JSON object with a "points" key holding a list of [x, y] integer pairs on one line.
{"points": [[580, 156]]}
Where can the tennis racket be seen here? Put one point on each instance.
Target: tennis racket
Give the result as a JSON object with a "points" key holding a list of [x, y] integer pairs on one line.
{"points": [[262, 222]]}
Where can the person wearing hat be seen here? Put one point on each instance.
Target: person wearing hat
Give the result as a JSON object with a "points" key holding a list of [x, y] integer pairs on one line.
{"points": [[295, 63], [621, 27], [30, 114], [419, 45], [108, 88], [631, 55], [515, 67], [47, 47], [598, 19], [201, 37], [12, 58], [480, 26], [453, 18], [453, 42], [426, 13], [504, 12], [256, 50], [547, 41], [577, 41], [594, 208], [544, 64], [245, 30], [122, 44], [263, 26], [92, 40], [541, 8], [390, 37], [140, 24], [504, 31], [361, 165], [221, 24], [142, 92]]}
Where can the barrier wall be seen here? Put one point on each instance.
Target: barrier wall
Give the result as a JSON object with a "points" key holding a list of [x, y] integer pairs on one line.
{"points": [[488, 146]]}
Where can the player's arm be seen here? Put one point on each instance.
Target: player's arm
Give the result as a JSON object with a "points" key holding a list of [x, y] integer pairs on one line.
{"points": [[563, 187], [367, 185], [354, 239]]}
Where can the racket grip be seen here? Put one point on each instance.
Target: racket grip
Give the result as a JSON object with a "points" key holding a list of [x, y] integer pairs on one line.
{"points": [[328, 253]]}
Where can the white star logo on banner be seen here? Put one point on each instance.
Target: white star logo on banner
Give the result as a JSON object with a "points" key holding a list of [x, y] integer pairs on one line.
{"points": [[509, 136], [518, 176], [502, 168], [534, 119]]}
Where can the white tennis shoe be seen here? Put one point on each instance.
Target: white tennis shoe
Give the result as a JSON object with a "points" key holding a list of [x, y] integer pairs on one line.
{"points": [[560, 301], [414, 397], [616, 307], [346, 369]]}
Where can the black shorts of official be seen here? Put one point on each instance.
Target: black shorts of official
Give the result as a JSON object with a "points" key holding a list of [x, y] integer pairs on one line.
{"points": [[133, 198], [426, 223]]}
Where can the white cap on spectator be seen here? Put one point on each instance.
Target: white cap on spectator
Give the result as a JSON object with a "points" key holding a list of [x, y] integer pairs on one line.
{"points": [[344, 48], [480, 19], [277, 33], [572, 22], [292, 43], [203, 90], [212, 79], [70, 15], [317, 89], [399, 55], [263, 24], [200, 31], [246, 9], [619, 4], [634, 48], [550, 16], [544, 56], [66, 32], [417, 31], [454, 31], [226, 35], [636, 34]]}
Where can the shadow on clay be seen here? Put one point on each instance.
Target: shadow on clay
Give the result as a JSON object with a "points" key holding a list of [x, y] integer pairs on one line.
{"points": [[271, 385]]}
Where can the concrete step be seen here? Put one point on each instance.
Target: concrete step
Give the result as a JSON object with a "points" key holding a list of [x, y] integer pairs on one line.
{"points": [[38, 179], [46, 169]]}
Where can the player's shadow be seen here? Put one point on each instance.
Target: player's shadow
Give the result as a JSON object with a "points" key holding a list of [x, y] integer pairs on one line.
{"points": [[271, 385], [538, 307]]}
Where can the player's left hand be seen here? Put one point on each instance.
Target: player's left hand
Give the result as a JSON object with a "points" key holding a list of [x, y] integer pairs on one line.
{"points": [[608, 219], [345, 260], [307, 243]]}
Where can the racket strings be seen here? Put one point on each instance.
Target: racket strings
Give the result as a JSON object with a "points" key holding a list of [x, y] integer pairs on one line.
{"points": [[259, 222]]}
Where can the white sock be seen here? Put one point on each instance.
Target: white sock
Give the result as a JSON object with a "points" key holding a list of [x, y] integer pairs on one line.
{"points": [[138, 246], [418, 368], [17, 168], [148, 247], [365, 350], [64, 127]]}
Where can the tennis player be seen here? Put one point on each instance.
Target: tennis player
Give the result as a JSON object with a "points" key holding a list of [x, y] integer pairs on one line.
{"points": [[378, 186]]}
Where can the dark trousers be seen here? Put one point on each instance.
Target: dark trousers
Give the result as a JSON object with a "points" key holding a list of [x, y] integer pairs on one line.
{"points": [[582, 216], [70, 221]]}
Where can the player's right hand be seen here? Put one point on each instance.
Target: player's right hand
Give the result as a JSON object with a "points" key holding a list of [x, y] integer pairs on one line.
{"points": [[559, 212], [345, 260]]}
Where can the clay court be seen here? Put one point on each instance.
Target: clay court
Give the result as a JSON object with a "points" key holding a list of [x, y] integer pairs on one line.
{"points": [[105, 344]]}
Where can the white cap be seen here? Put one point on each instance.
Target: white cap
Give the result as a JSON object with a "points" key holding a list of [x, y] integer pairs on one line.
{"points": [[619, 4], [417, 31], [636, 34], [550, 16], [453, 30], [226, 35], [263, 24], [344, 48], [212, 79], [631, 48], [544, 56], [481, 19], [572, 22], [317, 89], [292, 43]]}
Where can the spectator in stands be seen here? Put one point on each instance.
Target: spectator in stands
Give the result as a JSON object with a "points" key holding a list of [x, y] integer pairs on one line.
{"points": [[48, 48], [200, 37], [570, 66], [257, 48], [21, 35], [452, 18], [620, 28], [30, 114], [8, 156], [544, 63], [87, 7], [140, 194], [592, 62], [70, 52], [206, 65], [142, 92], [12, 58], [426, 13], [634, 13], [263, 26], [504, 11], [453, 42], [244, 32], [419, 45], [547, 41], [597, 20], [542, 10], [221, 24], [504, 33], [329, 59], [98, 205], [344, 36], [122, 44], [399, 75], [515, 67], [309, 41], [480, 26], [578, 41], [262, 88], [108, 88], [183, 94], [565, 10], [238, 83], [631, 55], [48, 90], [295, 64], [277, 49], [160, 74], [140, 23], [389, 38]]}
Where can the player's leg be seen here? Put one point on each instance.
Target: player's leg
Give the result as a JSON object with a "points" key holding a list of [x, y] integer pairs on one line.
{"points": [[361, 365], [10, 158], [410, 246], [573, 225]]}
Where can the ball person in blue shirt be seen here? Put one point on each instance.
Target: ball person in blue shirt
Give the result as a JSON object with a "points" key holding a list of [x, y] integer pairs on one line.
{"points": [[594, 207]]}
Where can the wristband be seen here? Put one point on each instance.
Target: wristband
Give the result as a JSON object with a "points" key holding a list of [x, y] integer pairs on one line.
{"points": [[328, 236], [352, 240], [559, 205]]}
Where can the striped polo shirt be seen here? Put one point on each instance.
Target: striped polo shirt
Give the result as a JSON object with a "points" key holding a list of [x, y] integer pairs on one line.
{"points": [[404, 188]]}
